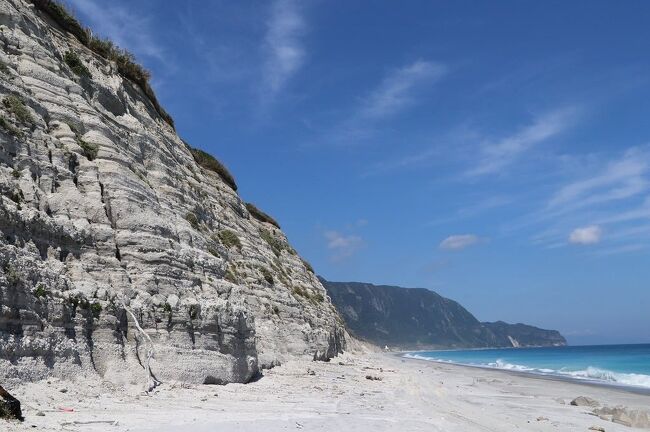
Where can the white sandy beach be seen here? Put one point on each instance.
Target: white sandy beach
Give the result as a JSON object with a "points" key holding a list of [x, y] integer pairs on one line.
{"points": [[412, 395]]}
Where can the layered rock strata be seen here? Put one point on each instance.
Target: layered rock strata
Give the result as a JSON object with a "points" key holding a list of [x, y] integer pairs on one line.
{"points": [[119, 254]]}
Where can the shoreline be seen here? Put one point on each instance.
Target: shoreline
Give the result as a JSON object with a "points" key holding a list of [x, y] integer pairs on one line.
{"points": [[353, 392], [645, 391]]}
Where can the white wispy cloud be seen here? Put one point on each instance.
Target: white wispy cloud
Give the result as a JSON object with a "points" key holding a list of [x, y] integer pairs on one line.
{"points": [[588, 235], [620, 179], [221, 61], [484, 205], [495, 156], [446, 148], [618, 250], [283, 45], [403, 162], [610, 192], [396, 91], [127, 29], [641, 212], [459, 241], [474, 208], [341, 245]]}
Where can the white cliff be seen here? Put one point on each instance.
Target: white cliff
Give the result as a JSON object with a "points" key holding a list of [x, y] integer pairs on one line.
{"points": [[108, 224]]}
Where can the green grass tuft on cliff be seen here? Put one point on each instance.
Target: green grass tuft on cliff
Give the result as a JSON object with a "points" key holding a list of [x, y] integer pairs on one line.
{"points": [[209, 162], [193, 220], [260, 215], [228, 238], [15, 105], [74, 62], [6, 125], [90, 150], [126, 64], [276, 245]]}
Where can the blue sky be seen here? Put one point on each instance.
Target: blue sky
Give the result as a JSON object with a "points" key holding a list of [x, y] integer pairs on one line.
{"points": [[496, 152]]}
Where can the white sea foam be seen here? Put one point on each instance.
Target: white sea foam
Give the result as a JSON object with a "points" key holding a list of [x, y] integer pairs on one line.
{"points": [[628, 379], [593, 374]]}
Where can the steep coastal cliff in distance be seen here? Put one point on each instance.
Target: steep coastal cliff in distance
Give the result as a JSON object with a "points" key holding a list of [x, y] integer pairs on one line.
{"points": [[522, 335], [124, 252], [418, 318]]}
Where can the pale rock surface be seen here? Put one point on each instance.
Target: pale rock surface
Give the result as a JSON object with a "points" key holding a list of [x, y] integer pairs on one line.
{"points": [[83, 242]]}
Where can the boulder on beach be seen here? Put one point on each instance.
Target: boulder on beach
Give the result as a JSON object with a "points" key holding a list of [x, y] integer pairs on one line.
{"points": [[625, 416], [9, 406]]}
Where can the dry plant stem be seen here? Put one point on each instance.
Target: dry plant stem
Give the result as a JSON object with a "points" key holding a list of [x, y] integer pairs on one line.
{"points": [[152, 382]]}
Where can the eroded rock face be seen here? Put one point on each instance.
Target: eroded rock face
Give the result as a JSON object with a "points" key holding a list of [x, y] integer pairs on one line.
{"points": [[104, 213]]}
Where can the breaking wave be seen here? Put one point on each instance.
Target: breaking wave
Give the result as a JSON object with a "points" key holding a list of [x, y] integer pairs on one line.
{"points": [[593, 374], [604, 375]]}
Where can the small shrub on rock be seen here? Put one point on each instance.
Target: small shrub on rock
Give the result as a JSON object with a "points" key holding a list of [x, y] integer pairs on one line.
{"points": [[267, 275], [12, 276], [193, 220], [41, 291], [126, 64], [276, 245], [231, 276], [90, 150], [4, 124], [103, 47], [307, 265], [209, 162], [96, 309], [65, 19], [15, 105], [74, 62], [260, 215], [300, 291], [229, 239]]}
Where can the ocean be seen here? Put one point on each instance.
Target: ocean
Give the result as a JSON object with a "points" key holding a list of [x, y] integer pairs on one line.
{"points": [[621, 365]]}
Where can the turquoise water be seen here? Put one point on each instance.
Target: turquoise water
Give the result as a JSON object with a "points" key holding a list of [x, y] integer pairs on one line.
{"points": [[625, 365]]}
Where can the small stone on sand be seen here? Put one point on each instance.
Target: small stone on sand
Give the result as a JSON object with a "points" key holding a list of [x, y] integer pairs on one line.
{"points": [[585, 401]]}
